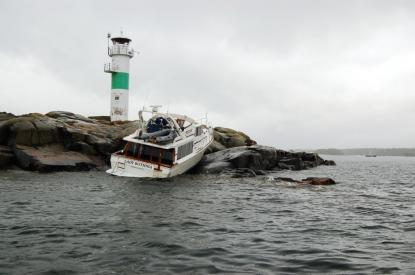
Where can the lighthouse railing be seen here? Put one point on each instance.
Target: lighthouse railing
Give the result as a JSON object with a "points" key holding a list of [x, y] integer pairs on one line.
{"points": [[121, 50]]}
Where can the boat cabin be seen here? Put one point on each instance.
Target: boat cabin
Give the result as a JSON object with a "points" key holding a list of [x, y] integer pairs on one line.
{"points": [[162, 131], [164, 145]]}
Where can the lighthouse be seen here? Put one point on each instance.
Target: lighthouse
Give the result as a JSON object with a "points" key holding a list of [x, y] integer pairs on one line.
{"points": [[119, 68]]}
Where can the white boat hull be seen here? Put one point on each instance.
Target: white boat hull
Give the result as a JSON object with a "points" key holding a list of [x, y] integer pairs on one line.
{"points": [[126, 167], [165, 146]]}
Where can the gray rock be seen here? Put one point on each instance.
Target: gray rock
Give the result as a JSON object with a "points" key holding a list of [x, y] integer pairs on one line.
{"points": [[329, 162], [6, 116], [4, 127], [40, 140], [68, 116], [47, 132], [52, 158], [4, 132], [23, 132], [310, 180], [215, 146], [68, 130], [6, 157], [318, 181], [257, 158], [252, 157], [292, 163], [230, 138], [72, 135], [282, 166], [215, 167], [101, 145], [30, 130], [311, 157], [101, 118], [269, 156], [82, 147], [245, 159]]}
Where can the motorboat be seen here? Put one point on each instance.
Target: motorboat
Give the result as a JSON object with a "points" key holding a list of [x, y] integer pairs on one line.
{"points": [[165, 145]]}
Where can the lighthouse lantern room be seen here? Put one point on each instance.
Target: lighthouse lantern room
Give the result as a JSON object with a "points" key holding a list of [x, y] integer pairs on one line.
{"points": [[119, 68]]}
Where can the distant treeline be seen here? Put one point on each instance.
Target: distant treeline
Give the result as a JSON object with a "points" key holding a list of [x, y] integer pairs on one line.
{"points": [[405, 152]]}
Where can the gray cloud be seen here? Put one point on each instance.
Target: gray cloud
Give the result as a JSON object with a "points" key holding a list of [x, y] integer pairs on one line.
{"points": [[293, 74]]}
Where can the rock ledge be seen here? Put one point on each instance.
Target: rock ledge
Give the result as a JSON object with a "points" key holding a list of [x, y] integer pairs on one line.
{"points": [[66, 141]]}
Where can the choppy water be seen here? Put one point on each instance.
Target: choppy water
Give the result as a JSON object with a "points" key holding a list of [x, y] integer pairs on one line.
{"points": [[69, 223]]}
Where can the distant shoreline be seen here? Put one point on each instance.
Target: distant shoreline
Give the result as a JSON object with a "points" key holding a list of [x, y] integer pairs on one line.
{"points": [[388, 152]]}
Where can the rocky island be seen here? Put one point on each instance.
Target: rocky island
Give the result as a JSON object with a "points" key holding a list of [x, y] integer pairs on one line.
{"points": [[64, 141]]}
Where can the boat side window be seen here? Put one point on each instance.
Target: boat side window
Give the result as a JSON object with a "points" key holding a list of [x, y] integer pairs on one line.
{"points": [[198, 130], [185, 150]]}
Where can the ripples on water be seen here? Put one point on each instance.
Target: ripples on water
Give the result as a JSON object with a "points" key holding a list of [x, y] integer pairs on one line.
{"points": [[68, 223]]}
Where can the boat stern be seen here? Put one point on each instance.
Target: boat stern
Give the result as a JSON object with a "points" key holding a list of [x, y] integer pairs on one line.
{"points": [[126, 167]]}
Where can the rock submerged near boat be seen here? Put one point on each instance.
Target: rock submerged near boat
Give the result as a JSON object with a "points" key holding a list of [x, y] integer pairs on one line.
{"points": [[164, 146]]}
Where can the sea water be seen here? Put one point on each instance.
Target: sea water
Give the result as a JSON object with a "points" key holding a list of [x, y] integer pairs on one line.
{"points": [[93, 223]]}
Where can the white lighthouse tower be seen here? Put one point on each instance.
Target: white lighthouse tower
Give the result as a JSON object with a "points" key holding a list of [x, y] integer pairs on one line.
{"points": [[119, 67]]}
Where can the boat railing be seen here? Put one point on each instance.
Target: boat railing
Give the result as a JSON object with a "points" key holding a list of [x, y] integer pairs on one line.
{"points": [[205, 121]]}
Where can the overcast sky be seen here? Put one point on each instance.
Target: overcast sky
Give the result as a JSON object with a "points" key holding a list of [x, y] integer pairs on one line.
{"points": [[291, 74]]}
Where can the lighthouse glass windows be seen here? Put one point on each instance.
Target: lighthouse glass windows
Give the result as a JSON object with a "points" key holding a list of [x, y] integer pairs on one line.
{"points": [[120, 49]]}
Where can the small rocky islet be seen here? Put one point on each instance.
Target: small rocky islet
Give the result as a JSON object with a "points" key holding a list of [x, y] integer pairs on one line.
{"points": [[64, 141]]}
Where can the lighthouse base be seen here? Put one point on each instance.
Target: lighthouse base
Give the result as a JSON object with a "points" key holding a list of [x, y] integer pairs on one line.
{"points": [[119, 105]]}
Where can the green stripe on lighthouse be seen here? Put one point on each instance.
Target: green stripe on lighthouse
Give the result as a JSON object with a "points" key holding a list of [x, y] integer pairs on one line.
{"points": [[119, 81]]}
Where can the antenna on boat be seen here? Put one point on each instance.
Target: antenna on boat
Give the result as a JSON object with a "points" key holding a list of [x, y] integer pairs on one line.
{"points": [[155, 108]]}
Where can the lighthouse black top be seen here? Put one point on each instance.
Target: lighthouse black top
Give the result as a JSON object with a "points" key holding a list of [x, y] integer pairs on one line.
{"points": [[121, 40]]}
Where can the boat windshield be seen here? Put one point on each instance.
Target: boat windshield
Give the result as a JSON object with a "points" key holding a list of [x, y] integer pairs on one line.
{"points": [[157, 124]]}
